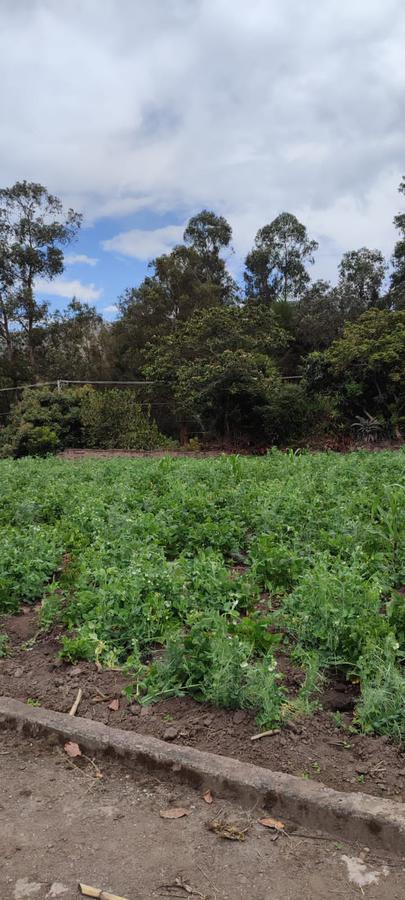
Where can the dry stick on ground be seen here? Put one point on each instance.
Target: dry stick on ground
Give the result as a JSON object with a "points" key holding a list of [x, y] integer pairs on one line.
{"points": [[87, 891], [75, 707], [82, 771], [98, 774], [95, 777], [180, 884], [209, 881], [262, 734], [102, 699]]}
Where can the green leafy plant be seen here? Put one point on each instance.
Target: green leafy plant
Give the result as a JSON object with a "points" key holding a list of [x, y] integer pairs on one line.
{"points": [[135, 561], [369, 429], [115, 418], [4, 645], [307, 699], [381, 707]]}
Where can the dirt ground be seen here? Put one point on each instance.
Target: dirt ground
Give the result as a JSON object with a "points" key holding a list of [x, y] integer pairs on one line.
{"points": [[340, 445], [137, 454], [60, 824], [315, 747]]}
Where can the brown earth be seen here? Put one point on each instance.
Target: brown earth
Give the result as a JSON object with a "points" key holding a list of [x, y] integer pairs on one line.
{"points": [[316, 444], [312, 747], [60, 824], [157, 454]]}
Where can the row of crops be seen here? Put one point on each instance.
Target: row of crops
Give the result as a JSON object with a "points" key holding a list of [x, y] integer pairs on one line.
{"points": [[194, 575]]}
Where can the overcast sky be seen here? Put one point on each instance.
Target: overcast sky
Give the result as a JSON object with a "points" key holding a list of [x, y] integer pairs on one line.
{"points": [[141, 112]]}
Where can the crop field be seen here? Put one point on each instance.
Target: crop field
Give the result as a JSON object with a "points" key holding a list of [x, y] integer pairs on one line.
{"points": [[197, 575]]}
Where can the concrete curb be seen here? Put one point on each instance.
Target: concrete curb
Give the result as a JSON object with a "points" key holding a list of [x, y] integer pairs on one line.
{"points": [[355, 817]]}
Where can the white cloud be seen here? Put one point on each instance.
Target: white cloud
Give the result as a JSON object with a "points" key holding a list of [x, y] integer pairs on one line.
{"points": [[246, 108], [68, 289], [71, 259], [111, 310], [144, 244]]}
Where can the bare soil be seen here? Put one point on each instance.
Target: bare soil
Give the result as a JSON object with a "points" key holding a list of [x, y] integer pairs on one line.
{"points": [[111, 454], [312, 747], [338, 444], [60, 824]]}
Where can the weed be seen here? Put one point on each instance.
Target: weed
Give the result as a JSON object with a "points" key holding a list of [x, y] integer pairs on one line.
{"points": [[4, 645], [381, 706], [306, 702]]}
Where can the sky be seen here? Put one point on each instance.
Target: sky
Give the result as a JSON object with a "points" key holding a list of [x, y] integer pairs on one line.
{"points": [[139, 114]]}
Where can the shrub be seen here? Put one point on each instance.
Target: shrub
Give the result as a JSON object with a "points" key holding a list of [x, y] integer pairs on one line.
{"points": [[115, 419], [44, 421], [35, 440], [291, 413], [364, 368]]}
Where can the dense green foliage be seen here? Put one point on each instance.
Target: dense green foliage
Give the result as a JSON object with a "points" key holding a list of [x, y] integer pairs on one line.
{"points": [[364, 371], [136, 557], [46, 420], [115, 419], [33, 230], [220, 352]]}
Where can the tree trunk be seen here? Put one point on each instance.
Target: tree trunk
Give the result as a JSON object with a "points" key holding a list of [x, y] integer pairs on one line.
{"points": [[5, 330], [183, 434]]}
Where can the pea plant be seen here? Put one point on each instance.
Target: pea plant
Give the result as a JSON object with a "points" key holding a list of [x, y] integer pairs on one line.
{"points": [[195, 575]]}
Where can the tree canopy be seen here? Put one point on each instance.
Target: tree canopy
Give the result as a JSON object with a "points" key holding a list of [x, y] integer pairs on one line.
{"points": [[33, 230], [285, 356], [276, 267]]}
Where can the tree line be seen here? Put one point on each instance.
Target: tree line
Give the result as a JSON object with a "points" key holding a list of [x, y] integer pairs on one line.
{"points": [[272, 360]]}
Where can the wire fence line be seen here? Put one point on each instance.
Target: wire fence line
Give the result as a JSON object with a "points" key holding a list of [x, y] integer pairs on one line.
{"points": [[59, 383]]}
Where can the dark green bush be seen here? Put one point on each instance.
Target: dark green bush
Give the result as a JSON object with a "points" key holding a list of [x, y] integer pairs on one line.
{"points": [[115, 419], [35, 440], [291, 414], [365, 371], [46, 420]]}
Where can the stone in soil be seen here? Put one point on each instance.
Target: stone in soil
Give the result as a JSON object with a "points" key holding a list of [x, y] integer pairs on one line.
{"points": [[239, 716], [171, 733]]}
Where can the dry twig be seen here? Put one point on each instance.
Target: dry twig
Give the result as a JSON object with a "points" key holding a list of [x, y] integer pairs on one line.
{"points": [[75, 707], [209, 881], [87, 891], [263, 734]]}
